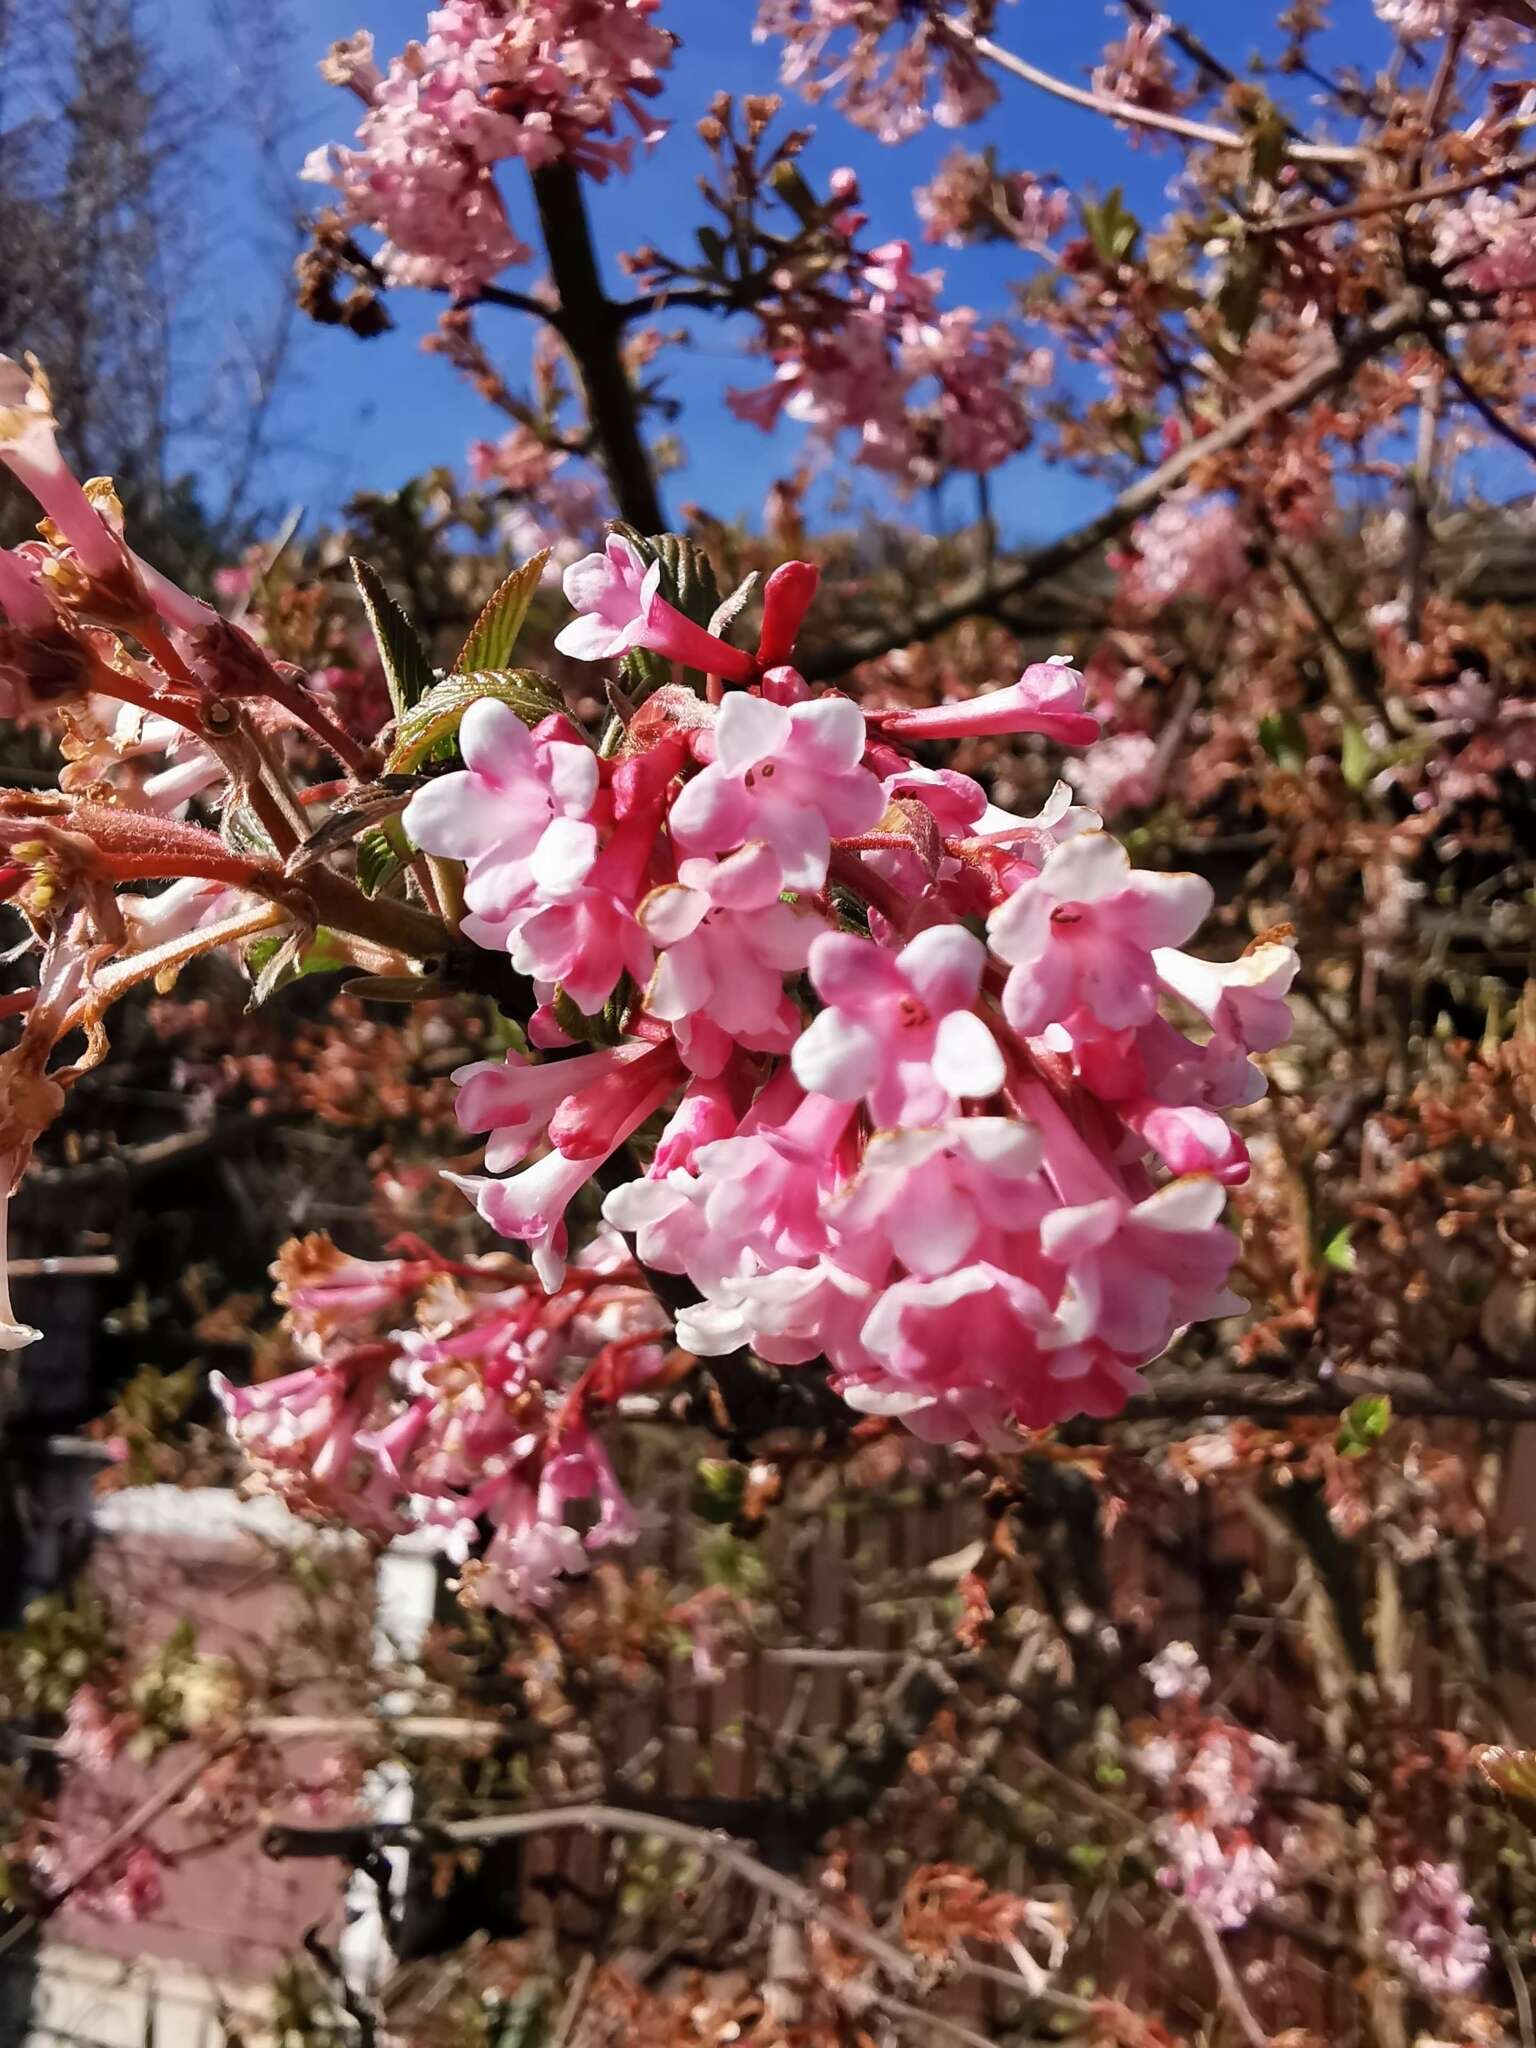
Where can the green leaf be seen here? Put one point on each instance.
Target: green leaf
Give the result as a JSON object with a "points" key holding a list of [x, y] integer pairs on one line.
{"points": [[687, 576], [1363, 1424], [435, 721], [1358, 759], [1113, 231], [407, 670], [1339, 1251], [381, 854], [1282, 738], [719, 1488], [1242, 288], [276, 958], [494, 634]]}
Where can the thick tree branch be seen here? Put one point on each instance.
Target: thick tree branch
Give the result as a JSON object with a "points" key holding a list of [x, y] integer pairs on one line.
{"points": [[591, 324]]}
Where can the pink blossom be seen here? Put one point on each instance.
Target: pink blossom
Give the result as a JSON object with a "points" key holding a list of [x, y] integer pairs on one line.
{"points": [[1176, 1672], [898, 1030], [788, 776], [618, 598], [1434, 1939], [540, 84], [519, 813], [1187, 548], [1047, 698], [1082, 934], [1243, 1000], [1124, 771], [531, 1205], [514, 1098], [726, 943], [1226, 1877], [930, 1196]]}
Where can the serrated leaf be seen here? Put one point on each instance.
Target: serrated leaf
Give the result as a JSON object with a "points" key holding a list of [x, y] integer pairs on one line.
{"points": [[494, 634], [687, 576], [437, 718], [407, 670], [1363, 1424], [380, 857]]}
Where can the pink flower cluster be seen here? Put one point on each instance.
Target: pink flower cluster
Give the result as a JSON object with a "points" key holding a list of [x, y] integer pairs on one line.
{"points": [[1188, 548], [983, 1176], [968, 196], [841, 46], [925, 390], [1492, 23], [453, 1398], [1434, 1939], [1489, 243], [540, 81], [1214, 1774]]}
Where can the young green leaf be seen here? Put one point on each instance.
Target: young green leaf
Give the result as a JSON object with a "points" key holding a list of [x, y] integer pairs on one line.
{"points": [[494, 634], [1363, 1424], [407, 670], [1282, 738], [1358, 759], [435, 721], [1339, 1251]]}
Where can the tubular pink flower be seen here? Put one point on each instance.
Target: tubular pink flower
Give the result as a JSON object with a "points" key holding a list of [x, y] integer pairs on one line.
{"points": [[531, 1205], [930, 1196], [1242, 1000], [518, 813], [789, 776], [898, 1030], [787, 598], [514, 1098], [621, 608], [29, 449], [21, 595], [1047, 698], [1082, 934]]}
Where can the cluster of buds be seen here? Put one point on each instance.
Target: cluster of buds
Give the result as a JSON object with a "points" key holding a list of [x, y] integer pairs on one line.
{"points": [[888, 1065], [453, 1398]]}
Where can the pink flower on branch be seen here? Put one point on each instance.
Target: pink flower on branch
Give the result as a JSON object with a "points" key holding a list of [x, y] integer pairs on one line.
{"points": [[899, 1030], [1083, 932], [621, 608], [1047, 698], [789, 776]]}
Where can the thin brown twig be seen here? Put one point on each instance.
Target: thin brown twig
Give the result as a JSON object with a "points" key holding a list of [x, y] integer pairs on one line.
{"points": [[1226, 1979], [1140, 117], [1372, 203]]}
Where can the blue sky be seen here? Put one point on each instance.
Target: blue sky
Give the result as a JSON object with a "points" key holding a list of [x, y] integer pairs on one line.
{"points": [[370, 414]]}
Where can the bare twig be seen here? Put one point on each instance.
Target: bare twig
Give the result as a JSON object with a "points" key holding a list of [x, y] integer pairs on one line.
{"points": [[1226, 1979], [1140, 117]]}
